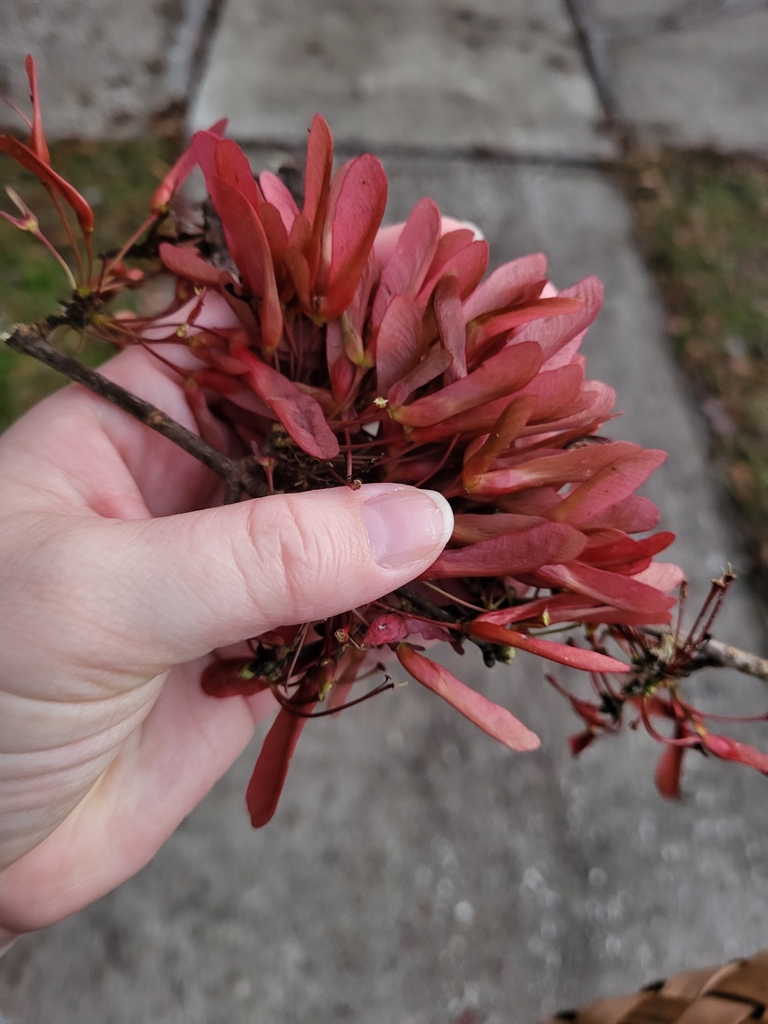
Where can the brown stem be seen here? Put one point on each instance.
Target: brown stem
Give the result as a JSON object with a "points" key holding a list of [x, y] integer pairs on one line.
{"points": [[716, 654], [433, 611], [243, 475], [239, 475], [291, 706]]}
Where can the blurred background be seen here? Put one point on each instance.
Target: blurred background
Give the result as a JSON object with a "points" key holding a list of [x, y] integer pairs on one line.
{"points": [[415, 873]]}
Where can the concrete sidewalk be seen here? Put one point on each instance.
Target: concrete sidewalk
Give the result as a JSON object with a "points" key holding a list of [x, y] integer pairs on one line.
{"points": [[416, 872], [503, 77], [690, 73]]}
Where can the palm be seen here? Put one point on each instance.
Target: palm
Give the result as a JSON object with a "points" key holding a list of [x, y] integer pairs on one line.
{"points": [[154, 743]]}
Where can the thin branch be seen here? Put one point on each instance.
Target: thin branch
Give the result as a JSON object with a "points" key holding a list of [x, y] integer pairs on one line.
{"points": [[243, 475], [414, 598], [291, 706], [239, 475], [716, 654], [433, 611]]}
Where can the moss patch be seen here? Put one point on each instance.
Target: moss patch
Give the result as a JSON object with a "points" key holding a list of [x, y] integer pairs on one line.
{"points": [[117, 179], [702, 221]]}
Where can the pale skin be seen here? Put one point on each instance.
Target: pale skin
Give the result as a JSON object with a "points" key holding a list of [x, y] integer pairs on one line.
{"points": [[118, 578]]}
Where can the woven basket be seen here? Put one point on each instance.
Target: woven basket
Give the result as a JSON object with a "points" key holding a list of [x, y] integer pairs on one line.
{"points": [[728, 994]]}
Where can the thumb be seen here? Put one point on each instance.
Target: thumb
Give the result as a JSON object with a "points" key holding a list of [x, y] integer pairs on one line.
{"points": [[183, 585]]}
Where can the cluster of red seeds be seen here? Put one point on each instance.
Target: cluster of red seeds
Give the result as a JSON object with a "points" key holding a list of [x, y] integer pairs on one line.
{"points": [[334, 352], [341, 352]]}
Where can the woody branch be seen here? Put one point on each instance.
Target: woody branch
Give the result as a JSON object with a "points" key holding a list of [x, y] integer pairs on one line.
{"points": [[239, 475]]}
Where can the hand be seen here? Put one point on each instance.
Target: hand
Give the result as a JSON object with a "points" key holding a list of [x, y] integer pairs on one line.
{"points": [[117, 581]]}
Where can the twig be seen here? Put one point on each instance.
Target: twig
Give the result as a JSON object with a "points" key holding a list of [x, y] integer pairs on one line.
{"points": [[242, 475], [413, 597], [239, 475], [434, 611], [716, 654]]}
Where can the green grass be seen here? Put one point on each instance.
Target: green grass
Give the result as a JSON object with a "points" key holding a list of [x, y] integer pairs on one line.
{"points": [[117, 179], [702, 221]]}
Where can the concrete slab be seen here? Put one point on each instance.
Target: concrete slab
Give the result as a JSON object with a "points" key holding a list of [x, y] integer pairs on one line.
{"points": [[415, 870], [687, 73], [106, 68], [503, 75]]}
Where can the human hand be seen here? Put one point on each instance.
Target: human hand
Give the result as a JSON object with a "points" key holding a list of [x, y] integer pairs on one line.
{"points": [[117, 580]]}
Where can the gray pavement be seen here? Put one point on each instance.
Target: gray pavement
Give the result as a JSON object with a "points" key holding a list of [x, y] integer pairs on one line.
{"points": [[691, 73], [502, 75], [107, 69], [415, 870]]}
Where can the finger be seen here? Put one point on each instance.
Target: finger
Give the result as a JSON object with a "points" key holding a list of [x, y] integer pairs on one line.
{"points": [[170, 480], [160, 774], [96, 454], [173, 589]]}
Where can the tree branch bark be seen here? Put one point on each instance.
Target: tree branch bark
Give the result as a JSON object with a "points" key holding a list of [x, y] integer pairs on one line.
{"points": [[239, 475], [243, 475], [716, 654]]}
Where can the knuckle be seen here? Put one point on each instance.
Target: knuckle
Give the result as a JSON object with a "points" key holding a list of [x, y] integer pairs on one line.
{"points": [[290, 551]]}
